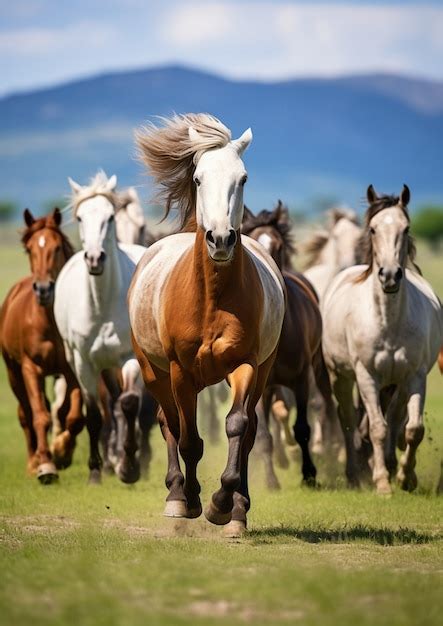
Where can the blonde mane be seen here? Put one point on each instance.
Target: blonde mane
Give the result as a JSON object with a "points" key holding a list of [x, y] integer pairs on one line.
{"points": [[96, 187], [171, 156]]}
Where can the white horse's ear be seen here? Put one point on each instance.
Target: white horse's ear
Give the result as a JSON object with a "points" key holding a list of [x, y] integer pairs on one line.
{"points": [[74, 186], [371, 194], [112, 183], [405, 196], [242, 143], [193, 134]]}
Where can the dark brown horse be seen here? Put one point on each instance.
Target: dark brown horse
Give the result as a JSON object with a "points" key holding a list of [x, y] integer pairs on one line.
{"points": [[32, 348], [300, 342]]}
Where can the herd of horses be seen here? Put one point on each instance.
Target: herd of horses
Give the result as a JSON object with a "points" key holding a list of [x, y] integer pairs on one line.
{"points": [[134, 332]]}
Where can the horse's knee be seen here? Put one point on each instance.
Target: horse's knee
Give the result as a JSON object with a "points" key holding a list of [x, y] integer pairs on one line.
{"points": [[129, 403], [236, 424], [378, 432], [302, 431], [230, 480], [414, 434], [191, 450]]}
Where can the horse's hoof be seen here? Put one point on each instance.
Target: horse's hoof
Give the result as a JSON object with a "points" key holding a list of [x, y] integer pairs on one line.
{"points": [[175, 508], [310, 482], [47, 473], [353, 483], [407, 482], [215, 516], [235, 529], [194, 512], [383, 487], [281, 461], [95, 477], [108, 468], [129, 472]]}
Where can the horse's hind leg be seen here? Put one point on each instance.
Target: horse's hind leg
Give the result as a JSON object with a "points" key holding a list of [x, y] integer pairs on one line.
{"points": [[35, 387], [406, 475], [302, 430], [263, 441], [24, 413], [346, 412], [146, 420], [328, 419], [242, 381]]}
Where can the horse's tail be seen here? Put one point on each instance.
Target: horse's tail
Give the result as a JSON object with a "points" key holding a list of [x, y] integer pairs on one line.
{"points": [[440, 360]]}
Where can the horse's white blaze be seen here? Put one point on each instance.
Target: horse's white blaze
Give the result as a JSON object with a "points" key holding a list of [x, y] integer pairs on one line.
{"points": [[388, 219], [42, 241], [266, 241]]}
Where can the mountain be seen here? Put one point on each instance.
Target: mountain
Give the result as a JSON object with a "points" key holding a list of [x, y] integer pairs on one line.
{"points": [[313, 138]]}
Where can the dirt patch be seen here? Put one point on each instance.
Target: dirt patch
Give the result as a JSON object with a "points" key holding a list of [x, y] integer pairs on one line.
{"points": [[224, 608]]}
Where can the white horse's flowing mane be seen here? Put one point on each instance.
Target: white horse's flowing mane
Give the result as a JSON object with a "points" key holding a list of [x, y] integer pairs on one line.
{"points": [[97, 186], [171, 155]]}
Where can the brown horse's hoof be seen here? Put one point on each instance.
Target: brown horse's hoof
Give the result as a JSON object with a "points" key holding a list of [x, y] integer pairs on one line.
{"points": [[193, 513], [215, 516], [235, 529], [62, 450], [129, 471], [47, 473], [407, 482], [310, 482], [95, 477], [175, 508]]}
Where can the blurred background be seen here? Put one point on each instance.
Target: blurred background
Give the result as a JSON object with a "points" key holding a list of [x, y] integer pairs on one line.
{"points": [[338, 94]]}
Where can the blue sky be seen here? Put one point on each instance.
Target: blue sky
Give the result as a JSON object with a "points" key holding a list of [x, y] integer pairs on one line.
{"points": [[44, 42]]}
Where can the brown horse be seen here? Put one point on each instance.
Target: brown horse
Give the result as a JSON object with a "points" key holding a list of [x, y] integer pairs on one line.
{"points": [[300, 343], [32, 348], [204, 306]]}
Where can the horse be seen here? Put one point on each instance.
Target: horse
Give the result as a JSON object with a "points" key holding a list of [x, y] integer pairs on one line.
{"points": [[383, 329], [91, 314], [32, 349], [300, 343], [129, 218], [205, 304], [330, 251]]}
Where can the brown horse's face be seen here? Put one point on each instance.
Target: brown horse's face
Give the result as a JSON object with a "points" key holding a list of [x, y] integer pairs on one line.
{"points": [[46, 256], [272, 241]]}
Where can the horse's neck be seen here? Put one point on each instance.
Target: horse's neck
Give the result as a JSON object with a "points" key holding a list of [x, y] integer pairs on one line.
{"points": [[214, 280], [107, 286], [390, 308], [328, 255]]}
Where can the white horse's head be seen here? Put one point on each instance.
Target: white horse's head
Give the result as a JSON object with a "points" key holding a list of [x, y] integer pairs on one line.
{"points": [[220, 176], [344, 237], [94, 208], [130, 219], [389, 242]]}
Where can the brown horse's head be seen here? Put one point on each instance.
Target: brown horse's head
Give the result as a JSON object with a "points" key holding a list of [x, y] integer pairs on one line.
{"points": [[273, 230], [48, 249]]}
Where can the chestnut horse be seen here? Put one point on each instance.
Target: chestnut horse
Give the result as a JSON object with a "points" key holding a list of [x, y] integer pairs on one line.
{"points": [[204, 306], [300, 344], [32, 348]]}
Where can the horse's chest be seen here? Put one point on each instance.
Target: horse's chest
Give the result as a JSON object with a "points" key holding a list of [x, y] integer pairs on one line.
{"points": [[391, 364]]}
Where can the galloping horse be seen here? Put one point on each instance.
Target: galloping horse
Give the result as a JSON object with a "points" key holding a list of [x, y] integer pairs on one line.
{"points": [[91, 314], [383, 329], [328, 252], [32, 348], [204, 305], [129, 218], [299, 349]]}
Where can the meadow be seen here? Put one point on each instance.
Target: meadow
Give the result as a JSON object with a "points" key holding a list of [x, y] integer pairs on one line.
{"points": [[76, 554]]}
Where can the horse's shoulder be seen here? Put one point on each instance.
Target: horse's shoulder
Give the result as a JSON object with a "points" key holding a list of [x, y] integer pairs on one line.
{"points": [[421, 287], [262, 260]]}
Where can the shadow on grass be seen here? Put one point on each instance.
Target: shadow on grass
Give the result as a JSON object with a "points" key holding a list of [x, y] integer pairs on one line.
{"points": [[382, 536]]}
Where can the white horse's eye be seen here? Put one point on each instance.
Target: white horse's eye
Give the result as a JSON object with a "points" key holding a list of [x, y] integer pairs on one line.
{"points": [[372, 230], [197, 181], [407, 230], [243, 180], [79, 219], [111, 219]]}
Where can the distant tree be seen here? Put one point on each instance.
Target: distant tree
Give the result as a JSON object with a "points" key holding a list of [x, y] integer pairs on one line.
{"points": [[59, 202], [428, 224], [7, 210]]}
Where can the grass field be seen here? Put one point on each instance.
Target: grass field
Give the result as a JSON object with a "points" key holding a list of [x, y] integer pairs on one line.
{"points": [[74, 554]]}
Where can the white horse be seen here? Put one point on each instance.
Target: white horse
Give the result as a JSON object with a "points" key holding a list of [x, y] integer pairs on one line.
{"points": [[383, 329], [330, 251], [204, 305], [129, 218], [91, 314]]}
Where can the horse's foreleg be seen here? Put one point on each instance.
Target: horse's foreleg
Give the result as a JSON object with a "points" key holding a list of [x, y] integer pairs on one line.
{"points": [[415, 431], [370, 395], [242, 381], [35, 387], [130, 402], [59, 407], [328, 415], [346, 412], [190, 443], [302, 430], [63, 444]]}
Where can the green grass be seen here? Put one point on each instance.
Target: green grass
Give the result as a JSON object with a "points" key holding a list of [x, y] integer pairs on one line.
{"points": [[73, 554]]}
